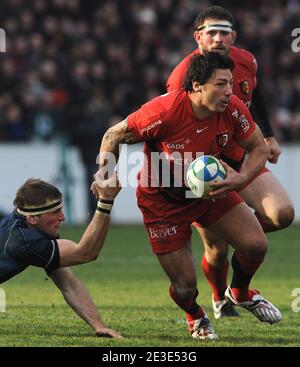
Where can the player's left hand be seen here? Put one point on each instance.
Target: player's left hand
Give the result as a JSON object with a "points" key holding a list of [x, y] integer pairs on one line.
{"points": [[233, 182], [108, 333], [274, 149]]}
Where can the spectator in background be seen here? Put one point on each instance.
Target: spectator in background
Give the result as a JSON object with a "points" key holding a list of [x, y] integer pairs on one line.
{"points": [[13, 123]]}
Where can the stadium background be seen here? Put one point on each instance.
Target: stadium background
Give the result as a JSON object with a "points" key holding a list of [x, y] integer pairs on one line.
{"points": [[73, 68]]}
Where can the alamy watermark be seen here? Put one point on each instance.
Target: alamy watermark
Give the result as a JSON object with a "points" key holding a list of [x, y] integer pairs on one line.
{"points": [[160, 169], [2, 40], [296, 302], [296, 42], [2, 300]]}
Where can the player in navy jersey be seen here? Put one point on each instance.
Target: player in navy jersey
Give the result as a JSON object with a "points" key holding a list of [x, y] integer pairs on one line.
{"points": [[30, 236]]}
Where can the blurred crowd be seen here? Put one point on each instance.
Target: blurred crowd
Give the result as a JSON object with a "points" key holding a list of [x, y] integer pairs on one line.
{"points": [[72, 67]]}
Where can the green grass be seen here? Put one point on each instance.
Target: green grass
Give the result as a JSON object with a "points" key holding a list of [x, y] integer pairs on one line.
{"points": [[131, 292]]}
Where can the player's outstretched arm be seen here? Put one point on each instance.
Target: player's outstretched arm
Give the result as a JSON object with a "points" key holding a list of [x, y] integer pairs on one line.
{"points": [[92, 241], [79, 299]]}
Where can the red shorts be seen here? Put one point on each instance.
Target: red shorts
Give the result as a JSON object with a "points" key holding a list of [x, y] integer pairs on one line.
{"points": [[262, 171], [169, 225]]}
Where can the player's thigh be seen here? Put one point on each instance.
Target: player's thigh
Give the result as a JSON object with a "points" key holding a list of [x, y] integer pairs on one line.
{"points": [[211, 242], [241, 229], [266, 195], [179, 266]]}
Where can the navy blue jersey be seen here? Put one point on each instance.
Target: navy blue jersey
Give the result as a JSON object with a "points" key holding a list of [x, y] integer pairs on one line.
{"points": [[21, 246]]}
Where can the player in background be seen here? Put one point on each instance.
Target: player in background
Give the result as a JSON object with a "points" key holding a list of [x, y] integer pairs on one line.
{"points": [[169, 125], [214, 31], [30, 236]]}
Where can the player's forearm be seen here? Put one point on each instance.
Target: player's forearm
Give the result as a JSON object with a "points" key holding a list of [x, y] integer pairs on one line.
{"points": [[93, 238], [109, 150], [259, 112], [255, 161], [114, 136], [90, 244], [109, 145], [109, 153], [81, 302], [77, 297]]}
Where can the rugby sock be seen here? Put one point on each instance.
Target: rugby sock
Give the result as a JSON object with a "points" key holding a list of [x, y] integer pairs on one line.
{"points": [[243, 271], [267, 227], [193, 311], [216, 277]]}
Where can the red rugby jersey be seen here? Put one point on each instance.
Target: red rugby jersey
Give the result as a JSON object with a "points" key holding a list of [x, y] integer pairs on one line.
{"points": [[244, 82], [244, 73], [167, 124]]}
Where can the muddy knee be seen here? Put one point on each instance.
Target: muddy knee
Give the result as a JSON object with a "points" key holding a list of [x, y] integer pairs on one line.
{"points": [[185, 290]]}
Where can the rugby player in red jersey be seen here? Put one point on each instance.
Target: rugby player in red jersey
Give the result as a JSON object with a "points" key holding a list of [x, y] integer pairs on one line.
{"points": [[273, 208], [182, 124]]}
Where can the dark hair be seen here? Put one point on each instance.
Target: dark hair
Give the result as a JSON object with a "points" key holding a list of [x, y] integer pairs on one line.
{"points": [[216, 12], [36, 192], [202, 67]]}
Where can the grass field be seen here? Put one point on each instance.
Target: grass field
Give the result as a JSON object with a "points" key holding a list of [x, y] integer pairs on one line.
{"points": [[131, 292]]}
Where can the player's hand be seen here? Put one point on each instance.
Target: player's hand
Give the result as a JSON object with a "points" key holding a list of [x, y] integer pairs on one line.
{"points": [[108, 333], [274, 149], [106, 189], [233, 181]]}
